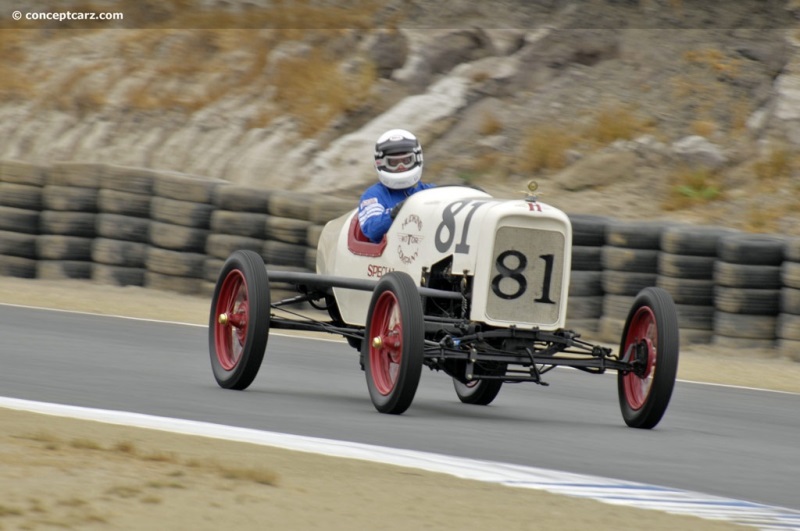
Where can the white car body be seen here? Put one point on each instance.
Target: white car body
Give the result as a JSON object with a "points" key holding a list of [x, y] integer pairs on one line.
{"points": [[516, 254]]}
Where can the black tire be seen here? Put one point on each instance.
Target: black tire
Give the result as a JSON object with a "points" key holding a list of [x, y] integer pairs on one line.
{"points": [[286, 204], [126, 228], [747, 276], [284, 254], [177, 237], [791, 251], [624, 283], [636, 234], [135, 181], [212, 268], [180, 264], [688, 291], [744, 325], [68, 223], [751, 249], [243, 277], [69, 198], [184, 213], [629, 260], [585, 283], [324, 208], [693, 240], [790, 301], [19, 220], [17, 171], [585, 307], [747, 300], [587, 258], [395, 297], [185, 187], [24, 196], [644, 408], [79, 174], [250, 224], [55, 247], [17, 244], [63, 269], [480, 392], [287, 230], [123, 203], [686, 266], [16, 266], [588, 229], [312, 235], [182, 285], [788, 327], [119, 253], [118, 275], [223, 245], [790, 274], [695, 317], [238, 198]]}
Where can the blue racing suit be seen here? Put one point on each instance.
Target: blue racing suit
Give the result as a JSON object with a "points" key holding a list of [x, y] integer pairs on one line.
{"points": [[375, 208]]}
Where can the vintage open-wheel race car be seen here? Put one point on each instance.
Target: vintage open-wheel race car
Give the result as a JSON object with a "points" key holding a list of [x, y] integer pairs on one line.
{"points": [[463, 283]]}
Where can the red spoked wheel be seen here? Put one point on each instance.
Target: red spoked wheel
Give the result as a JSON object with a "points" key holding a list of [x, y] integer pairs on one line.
{"points": [[651, 342], [239, 320], [393, 346]]}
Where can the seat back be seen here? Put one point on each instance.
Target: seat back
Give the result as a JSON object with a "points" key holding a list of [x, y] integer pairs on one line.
{"points": [[359, 244]]}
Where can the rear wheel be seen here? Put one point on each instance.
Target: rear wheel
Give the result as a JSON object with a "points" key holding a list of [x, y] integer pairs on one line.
{"points": [[479, 392], [394, 342], [239, 321], [650, 338]]}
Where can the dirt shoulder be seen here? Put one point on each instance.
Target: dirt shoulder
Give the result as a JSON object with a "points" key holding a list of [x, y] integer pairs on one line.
{"points": [[80, 474]]}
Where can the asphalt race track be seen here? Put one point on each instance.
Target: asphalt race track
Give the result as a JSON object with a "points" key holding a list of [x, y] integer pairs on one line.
{"points": [[730, 442]]}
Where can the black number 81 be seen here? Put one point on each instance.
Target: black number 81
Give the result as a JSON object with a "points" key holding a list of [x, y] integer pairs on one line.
{"points": [[515, 274]]}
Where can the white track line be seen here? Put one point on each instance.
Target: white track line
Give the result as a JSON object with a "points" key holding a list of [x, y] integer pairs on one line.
{"points": [[605, 490]]}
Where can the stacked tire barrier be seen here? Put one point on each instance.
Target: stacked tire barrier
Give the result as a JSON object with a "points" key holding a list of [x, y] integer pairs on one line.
{"points": [[747, 276], [585, 304], [170, 231], [630, 264], [788, 327], [686, 271], [20, 209], [119, 251], [67, 223], [180, 213]]}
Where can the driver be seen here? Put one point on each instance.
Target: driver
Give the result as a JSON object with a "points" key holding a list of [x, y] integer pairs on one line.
{"points": [[398, 159]]}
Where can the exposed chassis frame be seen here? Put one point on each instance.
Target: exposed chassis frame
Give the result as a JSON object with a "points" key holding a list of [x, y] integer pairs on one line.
{"points": [[536, 351]]}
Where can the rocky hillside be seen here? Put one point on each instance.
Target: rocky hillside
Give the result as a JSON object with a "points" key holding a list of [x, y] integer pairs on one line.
{"points": [[641, 109]]}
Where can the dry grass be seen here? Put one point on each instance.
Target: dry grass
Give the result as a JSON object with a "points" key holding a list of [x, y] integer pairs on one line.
{"points": [[691, 187], [545, 148], [704, 128], [617, 122], [778, 162], [490, 124]]}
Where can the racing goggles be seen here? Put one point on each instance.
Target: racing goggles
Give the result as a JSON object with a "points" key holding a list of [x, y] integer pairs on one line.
{"points": [[397, 163]]}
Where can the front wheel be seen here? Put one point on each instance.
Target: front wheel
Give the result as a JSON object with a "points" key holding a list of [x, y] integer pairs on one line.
{"points": [[650, 340], [238, 326], [393, 343]]}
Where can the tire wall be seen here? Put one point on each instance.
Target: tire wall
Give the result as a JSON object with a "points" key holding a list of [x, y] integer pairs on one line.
{"points": [[160, 229], [167, 230]]}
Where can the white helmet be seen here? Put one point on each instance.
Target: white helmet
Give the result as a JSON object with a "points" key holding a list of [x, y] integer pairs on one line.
{"points": [[398, 159]]}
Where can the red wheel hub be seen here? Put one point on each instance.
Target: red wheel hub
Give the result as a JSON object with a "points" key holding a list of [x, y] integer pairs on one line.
{"points": [[642, 334], [386, 343], [230, 326]]}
